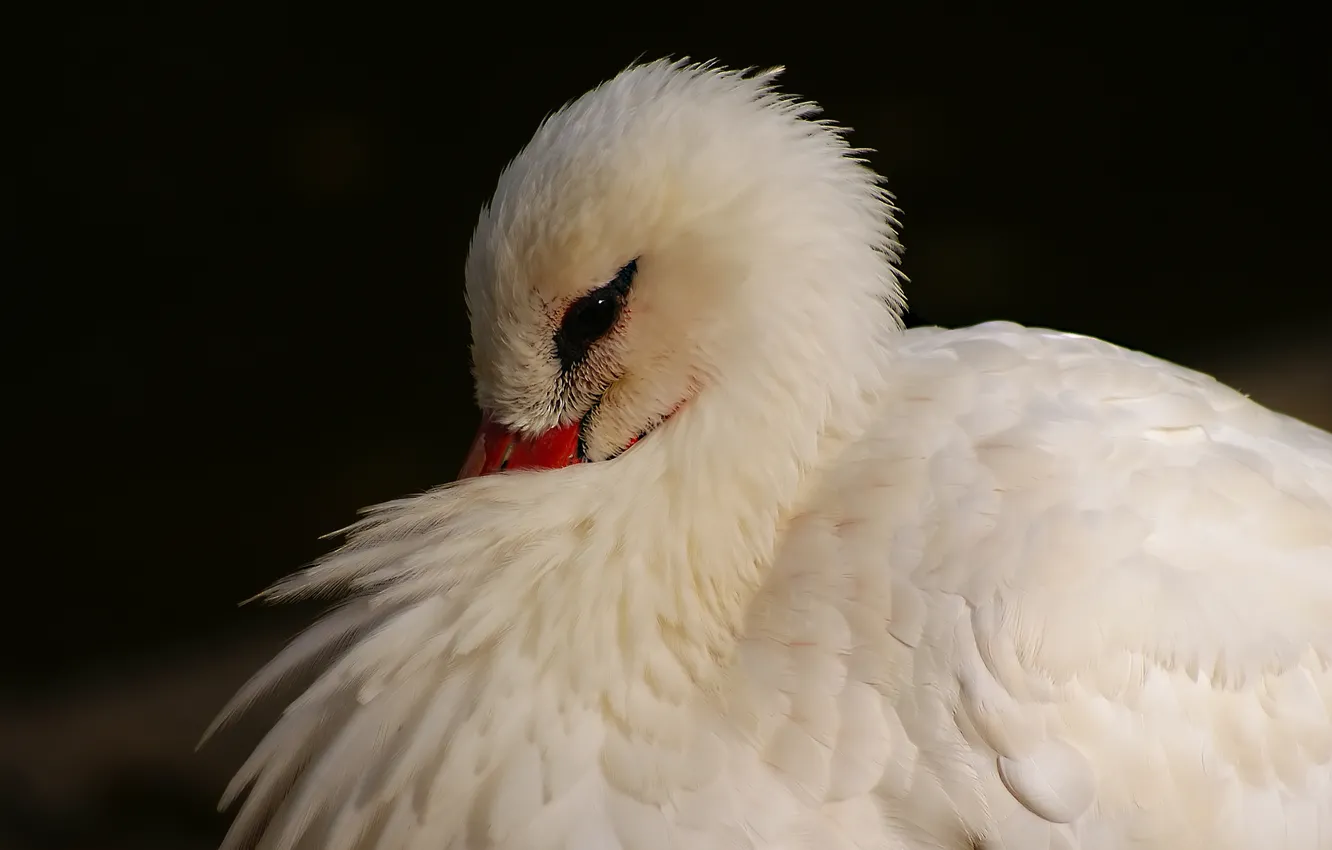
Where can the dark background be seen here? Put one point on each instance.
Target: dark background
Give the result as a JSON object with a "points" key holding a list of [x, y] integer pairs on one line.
{"points": [[242, 231]]}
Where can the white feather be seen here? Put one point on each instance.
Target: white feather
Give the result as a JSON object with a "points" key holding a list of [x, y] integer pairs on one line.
{"points": [[992, 587]]}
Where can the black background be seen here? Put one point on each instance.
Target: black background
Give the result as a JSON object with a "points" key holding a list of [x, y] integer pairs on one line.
{"points": [[239, 307]]}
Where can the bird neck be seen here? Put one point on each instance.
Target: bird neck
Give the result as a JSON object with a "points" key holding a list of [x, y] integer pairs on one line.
{"points": [[701, 508]]}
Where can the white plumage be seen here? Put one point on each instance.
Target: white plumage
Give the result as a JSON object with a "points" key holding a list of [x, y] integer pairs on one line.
{"points": [[856, 588]]}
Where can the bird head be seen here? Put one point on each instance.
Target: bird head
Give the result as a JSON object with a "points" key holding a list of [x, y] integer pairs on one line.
{"points": [[681, 243]]}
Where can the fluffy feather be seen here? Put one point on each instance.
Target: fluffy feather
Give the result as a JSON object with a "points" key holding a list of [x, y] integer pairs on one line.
{"points": [[992, 587]]}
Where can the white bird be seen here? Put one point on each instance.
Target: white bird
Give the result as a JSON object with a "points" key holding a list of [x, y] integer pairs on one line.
{"points": [[854, 587]]}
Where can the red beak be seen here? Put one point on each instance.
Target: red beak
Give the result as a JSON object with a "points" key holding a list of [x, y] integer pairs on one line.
{"points": [[496, 449]]}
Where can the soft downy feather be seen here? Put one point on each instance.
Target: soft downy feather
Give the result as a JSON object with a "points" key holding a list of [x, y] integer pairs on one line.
{"points": [[935, 590]]}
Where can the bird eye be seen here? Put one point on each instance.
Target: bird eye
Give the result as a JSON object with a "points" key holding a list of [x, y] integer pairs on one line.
{"points": [[591, 317]]}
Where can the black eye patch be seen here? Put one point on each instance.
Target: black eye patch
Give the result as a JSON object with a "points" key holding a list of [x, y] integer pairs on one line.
{"points": [[591, 317]]}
